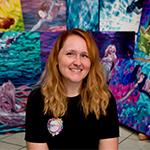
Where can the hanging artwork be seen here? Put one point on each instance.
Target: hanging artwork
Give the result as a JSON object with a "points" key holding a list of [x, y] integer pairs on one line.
{"points": [[83, 14], [114, 45], [120, 15], [20, 69], [11, 16], [44, 15], [130, 84], [142, 50]]}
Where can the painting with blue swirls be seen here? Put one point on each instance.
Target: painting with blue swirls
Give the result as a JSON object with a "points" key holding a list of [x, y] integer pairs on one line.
{"points": [[19, 57], [120, 15], [83, 14], [130, 84], [20, 69], [44, 15]]}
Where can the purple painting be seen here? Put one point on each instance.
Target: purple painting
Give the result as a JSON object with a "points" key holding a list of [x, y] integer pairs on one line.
{"points": [[130, 84], [44, 15], [47, 42]]}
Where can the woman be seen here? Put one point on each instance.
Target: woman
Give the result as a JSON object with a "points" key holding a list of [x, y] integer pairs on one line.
{"points": [[72, 108]]}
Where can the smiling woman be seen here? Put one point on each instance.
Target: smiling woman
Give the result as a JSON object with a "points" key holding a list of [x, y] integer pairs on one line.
{"points": [[74, 63], [72, 99]]}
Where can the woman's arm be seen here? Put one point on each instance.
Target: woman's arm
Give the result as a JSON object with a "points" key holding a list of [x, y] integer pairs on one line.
{"points": [[108, 144], [36, 134], [36, 146]]}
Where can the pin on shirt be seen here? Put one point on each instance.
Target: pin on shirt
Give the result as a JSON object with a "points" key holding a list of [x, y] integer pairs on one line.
{"points": [[55, 126]]}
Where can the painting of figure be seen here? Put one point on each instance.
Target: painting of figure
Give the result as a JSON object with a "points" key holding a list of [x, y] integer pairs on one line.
{"points": [[44, 15]]}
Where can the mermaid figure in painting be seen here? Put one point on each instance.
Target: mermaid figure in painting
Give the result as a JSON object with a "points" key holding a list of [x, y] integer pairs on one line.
{"points": [[48, 11], [142, 85], [139, 81], [137, 86], [109, 60]]}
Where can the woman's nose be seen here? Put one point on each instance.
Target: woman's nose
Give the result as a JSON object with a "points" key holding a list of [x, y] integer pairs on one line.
{"points": [[77, 60]]}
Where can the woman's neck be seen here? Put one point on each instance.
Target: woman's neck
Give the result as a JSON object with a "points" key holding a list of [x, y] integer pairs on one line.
{"points": [[73, 89]]}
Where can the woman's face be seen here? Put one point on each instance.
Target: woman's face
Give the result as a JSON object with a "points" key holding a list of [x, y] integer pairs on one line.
{"points": [[73, 60]]}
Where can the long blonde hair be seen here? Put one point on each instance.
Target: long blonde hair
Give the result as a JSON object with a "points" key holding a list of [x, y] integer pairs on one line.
{"points": [[94, 91]]}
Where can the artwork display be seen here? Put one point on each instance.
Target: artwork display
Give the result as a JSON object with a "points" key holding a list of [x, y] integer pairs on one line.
{"points": [[120, 15], [130, 84], [121, 28], [113, 45], [143, 40], [123, 41], [11, 18], [20, 69], [44, 15], [83, 14], [20, 57]]}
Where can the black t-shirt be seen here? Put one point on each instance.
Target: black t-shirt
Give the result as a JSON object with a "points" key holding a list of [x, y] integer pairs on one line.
{"points": [[78, 132]]}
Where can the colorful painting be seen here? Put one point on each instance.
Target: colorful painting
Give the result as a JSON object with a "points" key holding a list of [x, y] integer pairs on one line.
{"points": [[11, 16], [83, 14], [20, 57], [143, 40], [113, 45], [20, 69], [47, 42], [44, 15], [130, 84], [120, 15], [13, 102], [124, 42]]}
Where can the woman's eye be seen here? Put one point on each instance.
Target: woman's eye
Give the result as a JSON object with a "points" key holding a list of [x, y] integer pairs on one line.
{"points": [[85, 56], [69, 53]]}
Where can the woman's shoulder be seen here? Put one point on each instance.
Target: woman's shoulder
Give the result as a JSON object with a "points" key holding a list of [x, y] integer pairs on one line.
{"points": [[35, 94], [112, 101], [112, 105], [111, 95], [36, 90]]}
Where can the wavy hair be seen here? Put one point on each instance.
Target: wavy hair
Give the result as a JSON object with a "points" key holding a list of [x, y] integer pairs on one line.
{"points": [[94, 90]]}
